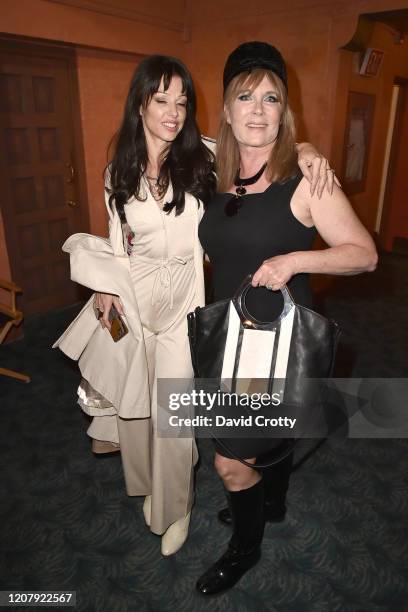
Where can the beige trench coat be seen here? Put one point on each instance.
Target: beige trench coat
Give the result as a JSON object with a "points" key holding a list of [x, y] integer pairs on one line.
{"points": [[117, 370]]}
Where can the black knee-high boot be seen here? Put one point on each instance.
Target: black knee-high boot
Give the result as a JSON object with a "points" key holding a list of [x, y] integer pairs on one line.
{"points": [[276, 483], [244, 548]]}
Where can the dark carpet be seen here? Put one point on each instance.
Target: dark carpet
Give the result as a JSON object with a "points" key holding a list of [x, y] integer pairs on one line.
{"points": [[67, 524]]}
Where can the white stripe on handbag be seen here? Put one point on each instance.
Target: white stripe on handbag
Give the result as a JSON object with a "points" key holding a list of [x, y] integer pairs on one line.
{"points": [[257, 353]]}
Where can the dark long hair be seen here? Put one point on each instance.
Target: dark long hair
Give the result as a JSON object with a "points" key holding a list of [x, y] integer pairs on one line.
{"points": [[187, 162]]}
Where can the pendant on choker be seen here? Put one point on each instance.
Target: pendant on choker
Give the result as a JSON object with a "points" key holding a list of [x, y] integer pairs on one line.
{"points": [[234, 204], [240, 190]]}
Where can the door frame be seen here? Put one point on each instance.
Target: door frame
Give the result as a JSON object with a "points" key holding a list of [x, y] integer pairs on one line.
{"points": [[386, 210]]}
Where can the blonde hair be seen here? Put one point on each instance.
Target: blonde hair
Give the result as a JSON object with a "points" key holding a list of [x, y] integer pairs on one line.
{"points": [[282, 162]]}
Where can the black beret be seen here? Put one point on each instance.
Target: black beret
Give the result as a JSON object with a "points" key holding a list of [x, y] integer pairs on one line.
{"points": [[252, 55]]}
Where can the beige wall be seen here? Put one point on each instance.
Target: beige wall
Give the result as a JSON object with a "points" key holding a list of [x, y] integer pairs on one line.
{"points": [[52, 21], [103, 79]]}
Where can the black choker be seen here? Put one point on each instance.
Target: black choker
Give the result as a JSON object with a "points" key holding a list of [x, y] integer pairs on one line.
{"points": [[234, 204]]}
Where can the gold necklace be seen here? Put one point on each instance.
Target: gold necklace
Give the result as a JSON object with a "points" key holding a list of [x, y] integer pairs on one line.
{"points": [[155, 189]]}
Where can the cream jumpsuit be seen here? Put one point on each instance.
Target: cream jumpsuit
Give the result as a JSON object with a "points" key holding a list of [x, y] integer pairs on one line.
{"points": [[162, 270]]}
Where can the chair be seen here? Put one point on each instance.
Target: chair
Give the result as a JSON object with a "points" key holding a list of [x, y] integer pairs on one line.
{"points": [[9, 316]]}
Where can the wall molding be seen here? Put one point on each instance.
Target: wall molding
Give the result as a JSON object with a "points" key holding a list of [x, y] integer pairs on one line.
{"points": [[107, 8], [258, 10]]}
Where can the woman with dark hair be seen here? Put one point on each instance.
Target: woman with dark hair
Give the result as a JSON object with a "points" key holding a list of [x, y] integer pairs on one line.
{"points": [[263, 221], [160, 174]]}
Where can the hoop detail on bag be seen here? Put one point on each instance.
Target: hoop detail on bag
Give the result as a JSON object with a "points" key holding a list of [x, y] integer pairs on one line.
{"points": [[256, 349]]}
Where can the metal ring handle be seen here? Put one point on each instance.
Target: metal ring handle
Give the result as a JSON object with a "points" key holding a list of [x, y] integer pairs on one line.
{"points": [[246, 318]]}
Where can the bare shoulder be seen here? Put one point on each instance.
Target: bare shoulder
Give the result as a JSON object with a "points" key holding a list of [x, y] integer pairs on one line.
{"points": [[303, 189], [303, 197], [300, 204]]}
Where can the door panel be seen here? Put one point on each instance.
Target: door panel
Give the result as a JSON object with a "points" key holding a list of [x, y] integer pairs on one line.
{"points": [[40, 195]]}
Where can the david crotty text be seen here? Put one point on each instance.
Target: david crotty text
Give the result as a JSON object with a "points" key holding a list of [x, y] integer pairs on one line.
{"points": [[222, 421]]}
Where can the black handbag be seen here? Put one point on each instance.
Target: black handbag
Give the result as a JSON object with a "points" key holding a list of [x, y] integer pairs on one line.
{"points": [[296, 348]]}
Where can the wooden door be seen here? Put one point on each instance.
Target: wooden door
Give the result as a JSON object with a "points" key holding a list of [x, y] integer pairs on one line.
{"points": [[40, 197]]}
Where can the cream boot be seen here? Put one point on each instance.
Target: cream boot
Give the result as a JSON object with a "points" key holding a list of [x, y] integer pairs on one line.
{"points": [[175, 536], [147, 509]]}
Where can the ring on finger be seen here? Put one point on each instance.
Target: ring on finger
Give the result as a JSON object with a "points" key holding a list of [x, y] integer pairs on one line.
{"points": [[269, 287]]}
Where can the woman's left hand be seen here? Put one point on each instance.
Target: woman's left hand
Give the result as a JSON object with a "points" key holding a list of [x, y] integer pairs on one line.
{"points": [[275, 272], [316, 169]]}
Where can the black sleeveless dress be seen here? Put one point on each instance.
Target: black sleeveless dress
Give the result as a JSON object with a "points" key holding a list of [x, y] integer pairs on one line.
{"points": [[263, 227]]}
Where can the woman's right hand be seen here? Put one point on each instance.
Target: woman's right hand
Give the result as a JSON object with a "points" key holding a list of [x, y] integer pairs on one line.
{"points": [[103, 302]]}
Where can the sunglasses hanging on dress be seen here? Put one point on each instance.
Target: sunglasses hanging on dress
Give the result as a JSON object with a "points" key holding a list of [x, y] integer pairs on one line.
{"points": [[234, 204]]}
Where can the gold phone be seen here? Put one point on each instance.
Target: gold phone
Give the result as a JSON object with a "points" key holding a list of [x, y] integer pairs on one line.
{"points": [[118, 327]]}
